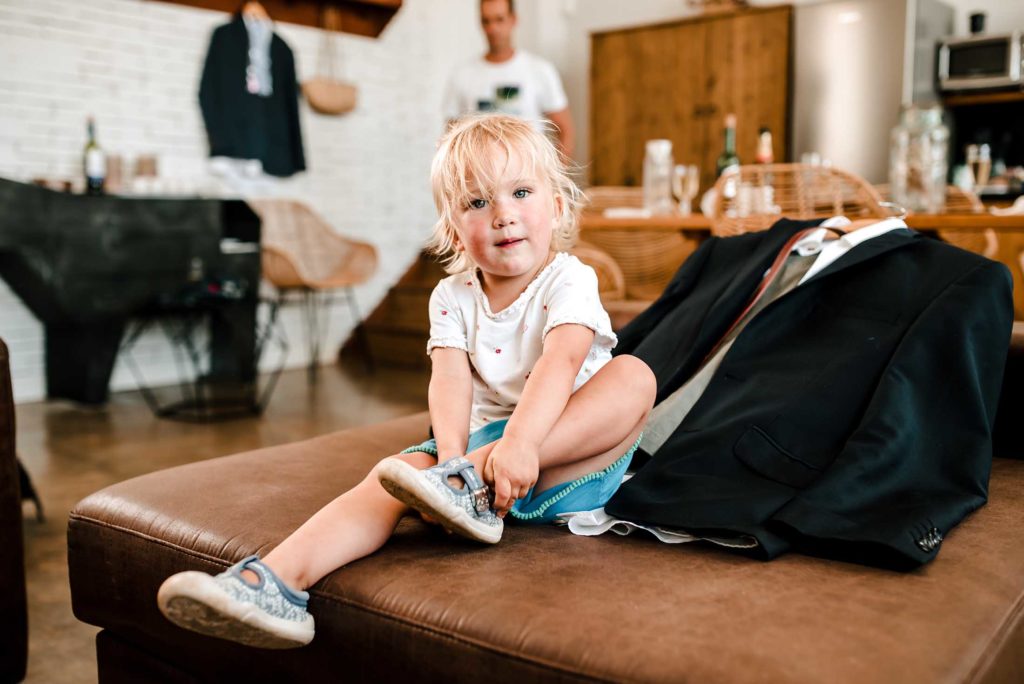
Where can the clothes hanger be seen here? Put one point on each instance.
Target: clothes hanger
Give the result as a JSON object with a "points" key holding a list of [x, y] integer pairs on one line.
{"points": [[865, 222], [255, 10], [858, 224]]}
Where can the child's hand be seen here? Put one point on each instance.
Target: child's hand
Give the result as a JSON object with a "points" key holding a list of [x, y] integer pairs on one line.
{"points": [[512, 470]]}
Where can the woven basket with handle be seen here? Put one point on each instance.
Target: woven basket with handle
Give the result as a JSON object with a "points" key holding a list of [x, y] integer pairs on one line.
{"points": [[325, 92]]}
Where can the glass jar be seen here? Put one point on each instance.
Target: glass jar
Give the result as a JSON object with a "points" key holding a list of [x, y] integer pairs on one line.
{"points": [[658, 167], [919, 159]]}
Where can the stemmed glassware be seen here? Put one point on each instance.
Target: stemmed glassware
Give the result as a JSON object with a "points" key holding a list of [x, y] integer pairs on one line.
{"points": [[685, 185], [979, 163]]}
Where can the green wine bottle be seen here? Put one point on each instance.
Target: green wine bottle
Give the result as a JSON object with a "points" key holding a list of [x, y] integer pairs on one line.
{"points": [[728, 159], [94, 162]]}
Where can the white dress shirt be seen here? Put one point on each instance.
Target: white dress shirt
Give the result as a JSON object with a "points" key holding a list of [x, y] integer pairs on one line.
{"points": [[830, 250]]}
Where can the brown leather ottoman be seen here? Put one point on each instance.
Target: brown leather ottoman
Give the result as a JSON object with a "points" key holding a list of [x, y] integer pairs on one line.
{"points": [[13, 605], [541, 605]]}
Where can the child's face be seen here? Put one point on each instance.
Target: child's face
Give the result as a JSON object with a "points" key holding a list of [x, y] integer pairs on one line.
{"points": [[509, 234]]}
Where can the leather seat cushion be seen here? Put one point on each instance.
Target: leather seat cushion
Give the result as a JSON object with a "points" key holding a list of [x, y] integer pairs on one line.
{"points": [[544, 603]]}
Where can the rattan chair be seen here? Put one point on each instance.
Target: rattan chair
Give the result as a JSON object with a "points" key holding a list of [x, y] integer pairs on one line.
{"points": [[611, 285], [756, 196], [648, 258], [305, 259], [1005, 247], [960, 201], [601, 197], [1008, 249], [1010, 252]]}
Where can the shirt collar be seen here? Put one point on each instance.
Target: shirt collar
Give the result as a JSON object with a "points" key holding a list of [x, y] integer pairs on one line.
{"points": [[813, 243]]}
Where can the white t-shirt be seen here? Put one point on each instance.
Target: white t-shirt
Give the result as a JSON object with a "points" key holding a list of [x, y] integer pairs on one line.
{"points": [[503, 347], [525, 86]]}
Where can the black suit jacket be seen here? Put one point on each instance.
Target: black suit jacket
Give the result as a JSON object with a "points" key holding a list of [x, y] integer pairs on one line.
{"points": [[851, 418], [246, 126]]}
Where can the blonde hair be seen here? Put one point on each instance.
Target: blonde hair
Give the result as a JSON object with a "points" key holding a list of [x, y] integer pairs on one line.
{"points": [[463, 156]]}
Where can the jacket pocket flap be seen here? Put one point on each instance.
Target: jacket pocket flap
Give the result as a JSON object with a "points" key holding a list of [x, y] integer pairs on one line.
{"points": [[762, 454]]}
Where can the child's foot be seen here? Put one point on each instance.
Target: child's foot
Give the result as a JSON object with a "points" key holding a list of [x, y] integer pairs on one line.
{"points": [[267, 614], [465, 511]]}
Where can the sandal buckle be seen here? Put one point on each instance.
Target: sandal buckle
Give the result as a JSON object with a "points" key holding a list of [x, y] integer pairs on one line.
{"points": [[481, 502]]}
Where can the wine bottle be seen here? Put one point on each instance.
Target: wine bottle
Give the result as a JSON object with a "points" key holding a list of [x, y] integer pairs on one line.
{"points": [[94, 162], [764, 193], [728, 159], [764, 146]]}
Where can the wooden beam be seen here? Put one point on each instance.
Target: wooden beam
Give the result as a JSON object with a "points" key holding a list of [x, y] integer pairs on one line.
{"points": [[358, 17]]}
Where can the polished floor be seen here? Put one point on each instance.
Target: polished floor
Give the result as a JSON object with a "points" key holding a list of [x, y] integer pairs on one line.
{"points": [[71, 451]]}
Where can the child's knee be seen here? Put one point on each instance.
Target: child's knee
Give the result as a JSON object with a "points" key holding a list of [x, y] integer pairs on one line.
{"points": [[637, 378]]}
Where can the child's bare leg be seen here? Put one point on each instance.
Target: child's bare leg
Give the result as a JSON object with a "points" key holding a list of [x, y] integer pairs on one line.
{"points": [[350, 527], [600, 422]]}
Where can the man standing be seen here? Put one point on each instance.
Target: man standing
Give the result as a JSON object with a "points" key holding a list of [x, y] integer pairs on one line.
{"points": [[509, 80]]}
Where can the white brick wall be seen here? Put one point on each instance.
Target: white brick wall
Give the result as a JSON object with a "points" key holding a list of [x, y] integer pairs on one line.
{"points": [[135, 65]]}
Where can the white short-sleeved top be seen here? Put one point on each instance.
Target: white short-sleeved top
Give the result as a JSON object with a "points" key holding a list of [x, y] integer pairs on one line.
{"points": [[525, 85], [504, 346]]}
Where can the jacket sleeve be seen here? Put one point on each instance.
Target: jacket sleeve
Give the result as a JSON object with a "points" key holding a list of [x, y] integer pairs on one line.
{"points": [[919, 460], [210, 96], [293, 93]]}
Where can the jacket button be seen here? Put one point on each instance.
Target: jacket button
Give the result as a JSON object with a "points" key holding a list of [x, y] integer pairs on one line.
{"points": [[931, 540]]}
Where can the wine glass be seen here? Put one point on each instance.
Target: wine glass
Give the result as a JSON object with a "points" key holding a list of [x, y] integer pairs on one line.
{"points": [[685, 184], [979, 163]]}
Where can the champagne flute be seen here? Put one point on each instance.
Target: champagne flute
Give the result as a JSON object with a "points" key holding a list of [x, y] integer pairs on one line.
{"points": [[685, 184], [979, 166]]}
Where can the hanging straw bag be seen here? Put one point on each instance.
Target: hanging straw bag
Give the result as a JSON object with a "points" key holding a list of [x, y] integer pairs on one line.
{"points": [[326, 93]]}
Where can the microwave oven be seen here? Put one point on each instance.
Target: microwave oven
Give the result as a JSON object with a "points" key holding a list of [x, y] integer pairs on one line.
{"points": [[981, 62]]}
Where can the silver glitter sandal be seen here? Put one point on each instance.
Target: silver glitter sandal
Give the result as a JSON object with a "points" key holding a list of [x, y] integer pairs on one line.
{"points": [[268, 614], [466, 511]]}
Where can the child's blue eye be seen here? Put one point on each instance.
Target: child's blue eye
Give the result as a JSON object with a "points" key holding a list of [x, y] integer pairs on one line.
{"points": [[521, 193], [477, 203]]}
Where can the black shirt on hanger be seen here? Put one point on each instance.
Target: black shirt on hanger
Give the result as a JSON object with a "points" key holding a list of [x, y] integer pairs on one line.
{"points": [[243, 125]]}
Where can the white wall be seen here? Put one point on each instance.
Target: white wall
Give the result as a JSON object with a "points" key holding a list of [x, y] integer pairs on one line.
{"points": [[1003, 16], [135, 65]]}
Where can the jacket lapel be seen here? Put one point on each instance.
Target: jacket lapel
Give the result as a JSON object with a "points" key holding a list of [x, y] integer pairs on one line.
{"points": [[745, 280], [744, 275], [870, 249]]}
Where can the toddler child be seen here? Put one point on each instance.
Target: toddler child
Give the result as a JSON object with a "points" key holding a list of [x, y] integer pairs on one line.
{"points": [[531, 415]]}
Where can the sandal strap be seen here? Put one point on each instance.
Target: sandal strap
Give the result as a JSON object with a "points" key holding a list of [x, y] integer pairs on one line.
{"points": [[253, 563], [477, 489]]}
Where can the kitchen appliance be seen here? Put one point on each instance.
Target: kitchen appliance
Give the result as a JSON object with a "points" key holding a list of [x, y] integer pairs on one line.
{"points": [[982, 62], [856, 63]]}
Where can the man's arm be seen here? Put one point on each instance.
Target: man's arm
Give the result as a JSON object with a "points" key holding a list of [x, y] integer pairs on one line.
{"points": [[450, 397], [566, 133]]}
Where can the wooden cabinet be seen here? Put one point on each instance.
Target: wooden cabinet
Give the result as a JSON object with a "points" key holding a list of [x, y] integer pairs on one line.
{"points": [[678, 80]]}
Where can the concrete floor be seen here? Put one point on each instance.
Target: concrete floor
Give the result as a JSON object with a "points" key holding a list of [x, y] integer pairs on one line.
{"points": [[71, 451]]}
